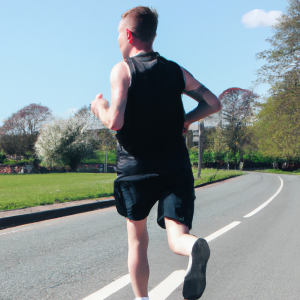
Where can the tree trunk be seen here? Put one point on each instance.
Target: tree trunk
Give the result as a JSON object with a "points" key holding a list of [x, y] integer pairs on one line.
{"points": [[201, 142], [105, 166], [73, 167]]}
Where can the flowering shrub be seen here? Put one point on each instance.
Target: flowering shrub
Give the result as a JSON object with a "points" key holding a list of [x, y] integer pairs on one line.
{"points": [[66, 141]]}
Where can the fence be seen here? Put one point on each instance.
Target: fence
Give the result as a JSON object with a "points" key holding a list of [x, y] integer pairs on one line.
{"points": [[15, 169]]}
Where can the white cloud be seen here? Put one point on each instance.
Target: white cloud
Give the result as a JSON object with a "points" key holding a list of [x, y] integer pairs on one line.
{"points": [[66, 114], [259, 17], [72, 111]]}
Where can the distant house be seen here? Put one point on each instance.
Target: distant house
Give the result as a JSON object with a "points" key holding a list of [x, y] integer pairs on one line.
{"points": [[192, 138]]}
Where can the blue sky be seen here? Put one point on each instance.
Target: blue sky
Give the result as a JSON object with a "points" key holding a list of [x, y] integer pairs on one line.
{"points": [[60, 53]]}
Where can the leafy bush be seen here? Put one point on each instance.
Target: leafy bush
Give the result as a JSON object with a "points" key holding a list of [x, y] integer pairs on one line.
{"points": [[208, 157], [258, 157], [89, 170], [12, 161], [193, 153], [99, 157]]}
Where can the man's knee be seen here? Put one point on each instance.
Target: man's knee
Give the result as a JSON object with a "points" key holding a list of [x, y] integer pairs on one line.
{"points": [[174, 245]]}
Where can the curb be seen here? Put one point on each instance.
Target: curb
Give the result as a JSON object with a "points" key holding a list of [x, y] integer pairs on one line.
{"points": [[18, 220]]}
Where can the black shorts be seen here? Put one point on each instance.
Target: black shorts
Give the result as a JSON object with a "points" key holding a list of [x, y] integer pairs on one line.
{"points": [[136, 195]]}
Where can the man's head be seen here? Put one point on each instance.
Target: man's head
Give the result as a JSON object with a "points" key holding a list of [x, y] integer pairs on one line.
{"points": [[137, 29]]}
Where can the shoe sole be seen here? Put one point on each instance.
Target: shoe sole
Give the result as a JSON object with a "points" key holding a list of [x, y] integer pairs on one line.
{"points": [[195, 281]]}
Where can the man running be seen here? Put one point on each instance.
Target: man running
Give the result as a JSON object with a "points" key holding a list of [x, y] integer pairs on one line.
{"points": [[153, 162]]}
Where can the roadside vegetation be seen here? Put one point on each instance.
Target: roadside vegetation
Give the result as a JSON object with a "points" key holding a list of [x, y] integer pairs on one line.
{"points": [[99, 157], [211, 175], [275, 171], [21, 191]]}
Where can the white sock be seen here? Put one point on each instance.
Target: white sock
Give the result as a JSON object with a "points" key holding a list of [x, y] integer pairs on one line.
{"points": [[189, 265], [142, 298]]}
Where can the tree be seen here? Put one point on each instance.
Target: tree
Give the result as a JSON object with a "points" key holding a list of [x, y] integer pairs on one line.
{"points": [[283, 58], [69, 141], [103, 135], [65, 142], [2, 157], [278, 126], [218, 144], [277, 129], [234, 118], [19, 132]]}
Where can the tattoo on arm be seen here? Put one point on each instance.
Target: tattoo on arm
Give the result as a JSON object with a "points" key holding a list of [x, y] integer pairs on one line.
{"points": [[197, 94]]}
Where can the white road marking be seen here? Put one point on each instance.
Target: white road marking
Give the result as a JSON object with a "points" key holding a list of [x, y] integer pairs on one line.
{"points": [[267, 202], [166, 287], [222, 231], [109, 289], [9, 232]]}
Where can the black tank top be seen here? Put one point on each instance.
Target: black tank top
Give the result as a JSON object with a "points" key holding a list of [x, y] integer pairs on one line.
{"points": [[151, 139]]}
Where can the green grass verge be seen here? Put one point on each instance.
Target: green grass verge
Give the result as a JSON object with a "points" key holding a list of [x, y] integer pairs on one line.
{"points": [[211, 175], [21, 191], [275, 171]]}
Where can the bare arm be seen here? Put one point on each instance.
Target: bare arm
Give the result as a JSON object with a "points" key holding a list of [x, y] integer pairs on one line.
{"points": [[208, 103], [113, 116]]}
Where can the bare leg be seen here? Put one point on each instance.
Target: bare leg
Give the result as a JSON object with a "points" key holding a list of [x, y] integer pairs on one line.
{"points": [[183, 243], [180, 241], [137, 256]]}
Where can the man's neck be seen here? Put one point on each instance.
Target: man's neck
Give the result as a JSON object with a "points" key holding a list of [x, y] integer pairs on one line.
{"points": [[135, 51]]}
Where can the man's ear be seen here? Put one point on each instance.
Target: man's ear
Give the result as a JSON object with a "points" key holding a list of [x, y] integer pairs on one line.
{"points": [[129, 36]]}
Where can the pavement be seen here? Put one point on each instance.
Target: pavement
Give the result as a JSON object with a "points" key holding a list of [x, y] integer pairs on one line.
{"points": [[17, 217], [251, 222]]}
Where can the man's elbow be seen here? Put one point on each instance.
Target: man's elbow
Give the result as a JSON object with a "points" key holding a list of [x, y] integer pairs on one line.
{"points": [[115, 125], [217, 107]]}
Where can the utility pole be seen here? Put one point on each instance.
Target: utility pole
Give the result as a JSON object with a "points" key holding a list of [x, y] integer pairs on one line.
{"points": [[227, 162], [201, 142], [105, 165]]}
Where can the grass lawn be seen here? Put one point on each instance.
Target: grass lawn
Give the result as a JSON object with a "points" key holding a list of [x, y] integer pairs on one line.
{"points": [[275, 171], [210, 175], [21, 191]]}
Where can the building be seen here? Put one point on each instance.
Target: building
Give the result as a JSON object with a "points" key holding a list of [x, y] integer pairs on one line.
{"points": [[192, 138]]}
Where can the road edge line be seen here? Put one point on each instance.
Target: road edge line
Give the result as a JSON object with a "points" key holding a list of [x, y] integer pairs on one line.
{"points": [[252, 213], [222, 231]]}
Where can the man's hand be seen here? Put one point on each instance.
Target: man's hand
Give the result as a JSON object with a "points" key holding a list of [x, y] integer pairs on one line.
{"points": [[98, 102], [186, 127]]}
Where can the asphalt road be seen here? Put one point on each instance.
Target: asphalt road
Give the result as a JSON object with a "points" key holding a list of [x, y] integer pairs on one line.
{"points": [[76, 256]]}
